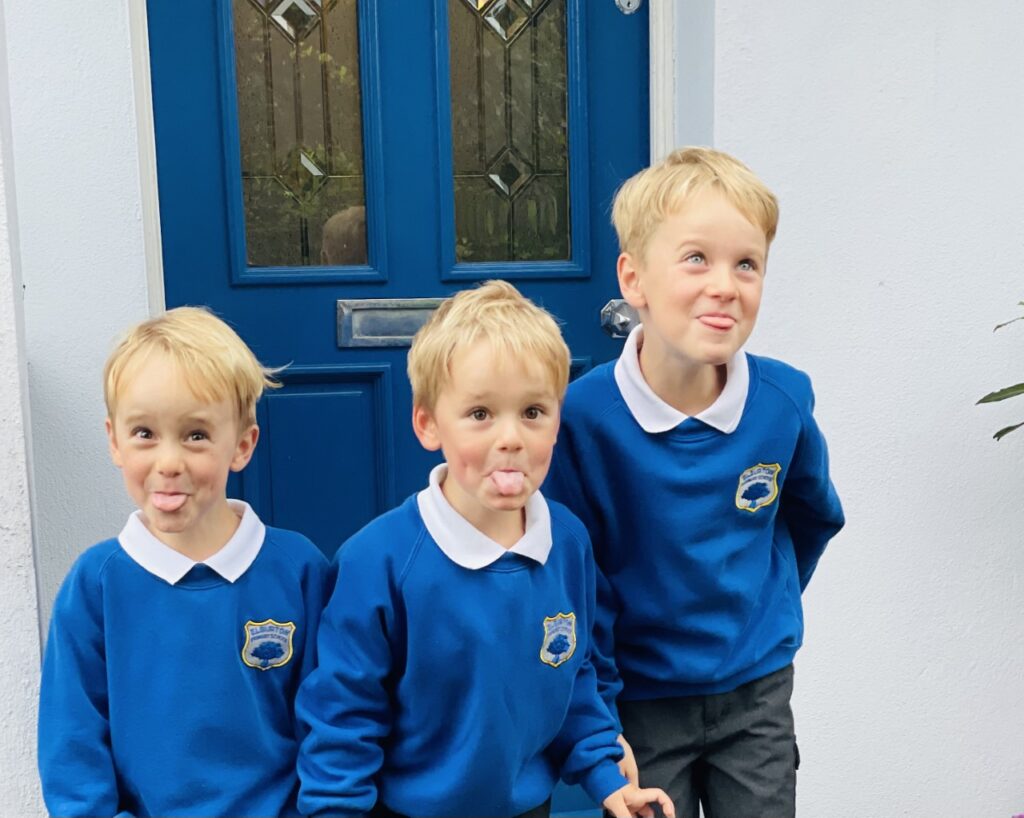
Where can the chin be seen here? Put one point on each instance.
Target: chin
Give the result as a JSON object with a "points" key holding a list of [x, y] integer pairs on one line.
{"points": [[510, 503]]}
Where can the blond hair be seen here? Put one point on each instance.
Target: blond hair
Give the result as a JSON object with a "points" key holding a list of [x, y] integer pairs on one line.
{"points": [[646, 199], [215, 362], [497, 312]]}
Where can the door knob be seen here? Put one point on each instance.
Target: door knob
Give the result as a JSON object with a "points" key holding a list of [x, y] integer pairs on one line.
{"points": [[618, 318]]}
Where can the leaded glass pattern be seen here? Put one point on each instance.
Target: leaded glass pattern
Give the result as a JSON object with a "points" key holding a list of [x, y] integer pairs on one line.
{"points": [[508, 71], [300, 128]]}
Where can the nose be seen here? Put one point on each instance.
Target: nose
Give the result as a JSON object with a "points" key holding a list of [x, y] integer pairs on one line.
{"points": [[721, 283], [169, 462], [509, 435]]}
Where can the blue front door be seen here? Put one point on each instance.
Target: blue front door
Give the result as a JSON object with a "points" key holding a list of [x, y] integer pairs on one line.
{"points": [[328, 166]]}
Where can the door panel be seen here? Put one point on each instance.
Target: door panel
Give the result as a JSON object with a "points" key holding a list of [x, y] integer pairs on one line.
{"points": [[449, 121], [211, 205]]}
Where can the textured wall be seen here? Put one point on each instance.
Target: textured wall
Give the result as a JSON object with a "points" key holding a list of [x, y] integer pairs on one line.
{"points": [[83, 261], [892, 133], [19, 670]]}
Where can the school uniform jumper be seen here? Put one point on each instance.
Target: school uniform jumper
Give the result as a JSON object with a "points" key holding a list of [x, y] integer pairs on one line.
{"points": [[454, 676], [705, 531], [168, 685]]}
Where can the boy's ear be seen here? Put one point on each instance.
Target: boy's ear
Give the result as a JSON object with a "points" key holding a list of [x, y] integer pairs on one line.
{"points": [[425, 427], [629, 281], [246, 446], [115, 453]]}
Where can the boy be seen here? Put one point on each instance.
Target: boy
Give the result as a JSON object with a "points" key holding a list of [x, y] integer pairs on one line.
{"points": [[454, 677], [703, 480], [175, 650]]}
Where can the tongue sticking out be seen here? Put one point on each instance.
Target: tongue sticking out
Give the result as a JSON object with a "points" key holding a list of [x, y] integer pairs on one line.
{"points": [[508, 482], [167, 502]]}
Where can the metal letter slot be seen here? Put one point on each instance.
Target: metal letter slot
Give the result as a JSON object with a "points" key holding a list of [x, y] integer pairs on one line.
{"points": [[382, 322]]}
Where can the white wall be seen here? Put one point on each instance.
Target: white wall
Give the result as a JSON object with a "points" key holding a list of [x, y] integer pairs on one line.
{"points": [[19, 671], [75, 147], [893, 134]]}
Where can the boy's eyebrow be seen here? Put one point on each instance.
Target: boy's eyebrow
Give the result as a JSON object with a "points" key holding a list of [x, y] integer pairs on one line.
{"points": [[483, 397], [192, 417]]}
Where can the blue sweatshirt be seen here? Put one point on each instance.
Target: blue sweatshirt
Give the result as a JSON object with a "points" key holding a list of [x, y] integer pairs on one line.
{"points": [[177, 699], [703, 540], [447, 691]]}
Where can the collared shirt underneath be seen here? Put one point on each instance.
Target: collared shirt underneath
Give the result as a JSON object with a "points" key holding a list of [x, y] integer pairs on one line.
{"points": [[162, 561], [655, 415], [466, 545]]}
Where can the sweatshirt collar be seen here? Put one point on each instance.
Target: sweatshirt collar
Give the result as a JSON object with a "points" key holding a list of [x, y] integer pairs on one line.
{"points": [[231, 561], [655, 415], [466, 545]]}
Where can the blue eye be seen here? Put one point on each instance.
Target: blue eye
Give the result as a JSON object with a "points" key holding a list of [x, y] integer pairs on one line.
{"points": [[695, 258]]}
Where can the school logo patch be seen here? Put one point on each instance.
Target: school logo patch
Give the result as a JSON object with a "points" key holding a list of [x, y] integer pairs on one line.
{"points": [[559, 639], [268, 643], [758, 486]]}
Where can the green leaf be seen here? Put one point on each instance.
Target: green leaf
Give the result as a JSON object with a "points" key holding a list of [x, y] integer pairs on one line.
{"points": [[1007, 323], [1003, 432], [1003, 394]]}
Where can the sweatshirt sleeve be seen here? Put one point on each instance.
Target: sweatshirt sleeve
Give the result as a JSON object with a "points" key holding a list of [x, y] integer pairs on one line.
{"points": [[564, 485], [588, 739], [809, 502], [343, 706], [76, 764]]}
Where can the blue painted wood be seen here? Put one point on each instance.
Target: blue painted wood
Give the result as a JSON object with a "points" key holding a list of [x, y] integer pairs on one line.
{"points": [[343, 414]]}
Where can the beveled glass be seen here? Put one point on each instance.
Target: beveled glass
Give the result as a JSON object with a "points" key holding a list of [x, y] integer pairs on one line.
{"points": [[509, 114], [300, 128]]}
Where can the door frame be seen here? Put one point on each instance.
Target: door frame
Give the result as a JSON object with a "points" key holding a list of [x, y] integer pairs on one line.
{"points": [[662, 38]]}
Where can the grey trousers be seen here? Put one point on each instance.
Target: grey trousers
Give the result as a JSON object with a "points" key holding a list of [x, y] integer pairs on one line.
{"points": [[733, 753]]}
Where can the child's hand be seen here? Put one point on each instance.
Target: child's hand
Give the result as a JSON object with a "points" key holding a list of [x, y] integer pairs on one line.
{"points": [[628, 766], [631, 800]]}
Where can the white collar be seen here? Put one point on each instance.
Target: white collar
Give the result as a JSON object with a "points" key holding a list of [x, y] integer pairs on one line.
{"points": [[466, 545], [231, 561], [655, 415]]}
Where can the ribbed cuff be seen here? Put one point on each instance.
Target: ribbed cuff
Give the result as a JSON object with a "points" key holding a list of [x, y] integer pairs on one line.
{"points": [[603, 780]]}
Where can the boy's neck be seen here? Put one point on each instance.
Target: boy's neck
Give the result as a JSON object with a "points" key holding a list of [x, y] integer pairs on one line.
{"points": [[685, 385], [206, 537], [506, 528]]}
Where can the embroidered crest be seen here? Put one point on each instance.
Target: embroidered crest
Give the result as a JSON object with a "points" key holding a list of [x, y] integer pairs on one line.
{"points": [[758, 486], [559, 639], [268, 643]]}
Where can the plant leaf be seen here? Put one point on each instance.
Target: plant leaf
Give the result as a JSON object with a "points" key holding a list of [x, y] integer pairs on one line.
{"points": [[1003, 432], [1007, 323], [1003, 394]]}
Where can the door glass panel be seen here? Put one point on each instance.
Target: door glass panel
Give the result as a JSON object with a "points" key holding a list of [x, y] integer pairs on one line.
{"points": [[509, 129], [300, 128]]}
